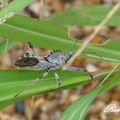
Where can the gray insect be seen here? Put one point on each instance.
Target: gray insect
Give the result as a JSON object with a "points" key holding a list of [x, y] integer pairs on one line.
{"points": [[51, 62]]}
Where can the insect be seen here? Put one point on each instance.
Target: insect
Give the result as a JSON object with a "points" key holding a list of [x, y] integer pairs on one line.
{"points": [[51, 62]]}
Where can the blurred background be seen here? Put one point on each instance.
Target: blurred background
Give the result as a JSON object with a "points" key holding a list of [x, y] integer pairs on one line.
{"points": [[51, 106]]}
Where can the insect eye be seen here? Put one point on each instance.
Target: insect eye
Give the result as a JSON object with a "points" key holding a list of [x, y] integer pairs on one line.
{"points": [[27, 54]]}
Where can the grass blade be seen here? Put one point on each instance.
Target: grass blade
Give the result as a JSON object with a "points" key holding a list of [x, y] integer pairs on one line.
{"points": [[54, 37], [78, 109], [14, 7], [87, 15], [12, 81]]}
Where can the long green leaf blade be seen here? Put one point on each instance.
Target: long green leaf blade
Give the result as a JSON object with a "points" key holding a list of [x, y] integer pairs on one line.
{"points": [[14, 7], [79, 108], [13, 81], [87, 15], [54, 37], [114, 81]]}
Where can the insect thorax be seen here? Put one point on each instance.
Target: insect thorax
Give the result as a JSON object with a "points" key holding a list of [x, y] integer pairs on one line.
{"points": [[55, 57]]}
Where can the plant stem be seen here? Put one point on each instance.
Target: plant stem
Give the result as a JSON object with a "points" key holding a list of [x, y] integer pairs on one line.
{"points": [[108, 75]]}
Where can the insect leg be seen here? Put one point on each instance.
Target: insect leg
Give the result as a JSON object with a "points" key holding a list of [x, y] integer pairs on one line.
{"points": [[57, 78], [32, 48], [39, 78], [78, 69]]}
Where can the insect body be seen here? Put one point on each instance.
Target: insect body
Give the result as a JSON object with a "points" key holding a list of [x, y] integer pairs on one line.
{"points": [[52, 61]]}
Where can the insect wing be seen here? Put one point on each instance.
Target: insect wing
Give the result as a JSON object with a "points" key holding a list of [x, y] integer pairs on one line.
{"points": [[26, 62]]}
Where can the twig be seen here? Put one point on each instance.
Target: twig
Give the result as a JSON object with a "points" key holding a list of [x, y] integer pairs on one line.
{"points": [[31, 108], [41, 9], [87, 40]]}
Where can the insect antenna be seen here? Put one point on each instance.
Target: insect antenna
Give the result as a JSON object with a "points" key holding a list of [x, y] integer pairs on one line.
{"points": [[77, 38]]}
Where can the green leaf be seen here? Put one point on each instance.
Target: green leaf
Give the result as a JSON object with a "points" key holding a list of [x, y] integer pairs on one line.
{"points": [[114, 81], [13, 81], [3, 45], [14, 7], [53, 37], [87, 15], [78, 109], [118, 119]]}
